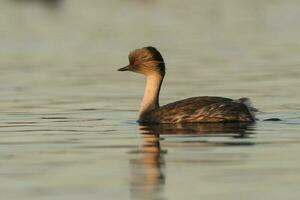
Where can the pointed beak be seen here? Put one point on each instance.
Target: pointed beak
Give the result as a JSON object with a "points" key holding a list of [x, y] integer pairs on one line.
{"points": [[127, 68]]}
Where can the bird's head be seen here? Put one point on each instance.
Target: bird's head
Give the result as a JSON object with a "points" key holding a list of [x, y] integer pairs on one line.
{"points": [[145, 61]]}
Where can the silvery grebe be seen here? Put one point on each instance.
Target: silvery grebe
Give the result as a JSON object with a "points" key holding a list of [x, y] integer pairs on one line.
{"points": [[148, 61]]}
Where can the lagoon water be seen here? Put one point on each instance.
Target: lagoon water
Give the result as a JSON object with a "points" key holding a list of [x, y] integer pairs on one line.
{"points": [[68, 129]]}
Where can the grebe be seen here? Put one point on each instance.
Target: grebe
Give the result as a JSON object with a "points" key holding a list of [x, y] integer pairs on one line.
{"points": [[149, 62]]}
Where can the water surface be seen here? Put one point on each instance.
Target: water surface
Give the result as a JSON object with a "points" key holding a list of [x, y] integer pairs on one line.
{"points": [[68, 127]]}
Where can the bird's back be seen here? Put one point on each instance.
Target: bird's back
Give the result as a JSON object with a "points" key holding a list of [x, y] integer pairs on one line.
{"points": [[201, 109]]}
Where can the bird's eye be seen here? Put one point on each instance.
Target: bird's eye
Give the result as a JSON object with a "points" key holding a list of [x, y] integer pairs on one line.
{"points": [[136, 62]]}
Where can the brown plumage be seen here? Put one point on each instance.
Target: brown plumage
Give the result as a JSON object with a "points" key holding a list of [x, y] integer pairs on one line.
{"points": [[200, 109], [148, 61]]}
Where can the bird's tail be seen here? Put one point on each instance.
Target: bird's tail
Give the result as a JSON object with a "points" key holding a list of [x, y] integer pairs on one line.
{"points": [[252, 110]]}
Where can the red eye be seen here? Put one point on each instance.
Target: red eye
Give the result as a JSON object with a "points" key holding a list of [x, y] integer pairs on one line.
{"points": [[136, 62]]}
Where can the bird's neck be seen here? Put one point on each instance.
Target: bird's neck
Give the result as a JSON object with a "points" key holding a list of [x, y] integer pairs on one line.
{"points": [[151, 96]]}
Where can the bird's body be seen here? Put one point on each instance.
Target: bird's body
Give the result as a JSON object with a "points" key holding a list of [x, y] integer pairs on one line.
{"points": [[149, 62], [200, 109]]}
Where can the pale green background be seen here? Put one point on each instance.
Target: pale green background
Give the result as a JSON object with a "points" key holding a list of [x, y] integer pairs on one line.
{"points": [[67, 128]]}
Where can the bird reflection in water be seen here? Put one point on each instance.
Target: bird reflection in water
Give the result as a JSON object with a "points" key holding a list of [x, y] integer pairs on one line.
{"points": [[148, 170]]}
